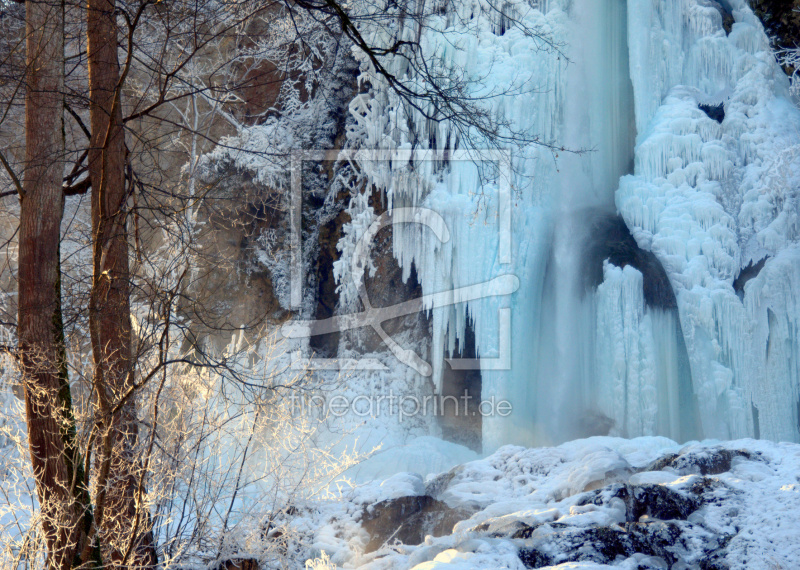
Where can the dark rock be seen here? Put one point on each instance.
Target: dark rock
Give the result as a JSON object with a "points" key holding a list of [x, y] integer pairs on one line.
{"points": [[460, 418], [523, 530], [714, 564], [438, 484], [672, 541], [654, 501], [662, 462], [716, 112], [386, 288], [657, 520], [704, 487], [595, 422], [667, 542], [756, 421], [725, 13], [656, 538], [700, 462], [715, 560], [409, 520], [781, 18], [532, 558], [513, 529], [327, 298], [661, 502], [594, 544]]}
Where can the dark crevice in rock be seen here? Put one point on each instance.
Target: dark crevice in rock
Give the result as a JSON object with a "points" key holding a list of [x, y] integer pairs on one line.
{"points": [[460, 418], [612, 241], [716, 112], [798, 415], [327, 298], [746, 274], [772, 323], [725, 13]]}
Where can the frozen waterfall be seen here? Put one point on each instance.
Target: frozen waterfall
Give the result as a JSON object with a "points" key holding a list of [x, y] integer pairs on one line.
{"points": [[637, 313]]}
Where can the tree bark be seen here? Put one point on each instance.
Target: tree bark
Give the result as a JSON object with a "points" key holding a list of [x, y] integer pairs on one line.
{"points": [[123, 538], [47, 402]]}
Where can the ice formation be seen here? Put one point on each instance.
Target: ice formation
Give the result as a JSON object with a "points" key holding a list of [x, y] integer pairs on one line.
{"points": [[711, 198], [710, 190]]}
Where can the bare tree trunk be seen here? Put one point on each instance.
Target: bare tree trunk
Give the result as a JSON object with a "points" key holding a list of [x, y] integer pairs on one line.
{"points": [[123, 536], [41, 354]]}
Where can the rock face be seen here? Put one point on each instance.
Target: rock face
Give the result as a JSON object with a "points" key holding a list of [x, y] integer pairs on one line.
{"points": [[781, 19]]}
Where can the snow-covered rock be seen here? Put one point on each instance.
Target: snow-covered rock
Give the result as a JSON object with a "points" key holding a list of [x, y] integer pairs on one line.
{"points": [[645, 503]]}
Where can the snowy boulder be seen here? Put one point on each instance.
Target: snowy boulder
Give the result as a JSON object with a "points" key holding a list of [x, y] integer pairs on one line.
{"points": [[650, 501], [654, 521], [408, 520], [657, 544], [701, 460]]}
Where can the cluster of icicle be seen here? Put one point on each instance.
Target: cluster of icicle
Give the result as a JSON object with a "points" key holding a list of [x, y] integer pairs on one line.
{"points": [[409, 157], [707, 197]]}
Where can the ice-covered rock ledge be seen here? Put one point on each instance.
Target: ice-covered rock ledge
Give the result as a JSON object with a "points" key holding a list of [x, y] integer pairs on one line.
{"points": [[593, 503]]}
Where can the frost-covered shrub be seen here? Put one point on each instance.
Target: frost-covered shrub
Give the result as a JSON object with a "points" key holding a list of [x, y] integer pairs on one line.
{"points": [[790, 59]]}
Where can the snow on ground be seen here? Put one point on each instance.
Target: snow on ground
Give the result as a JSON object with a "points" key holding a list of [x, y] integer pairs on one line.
{"points": [[594, 503]]}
